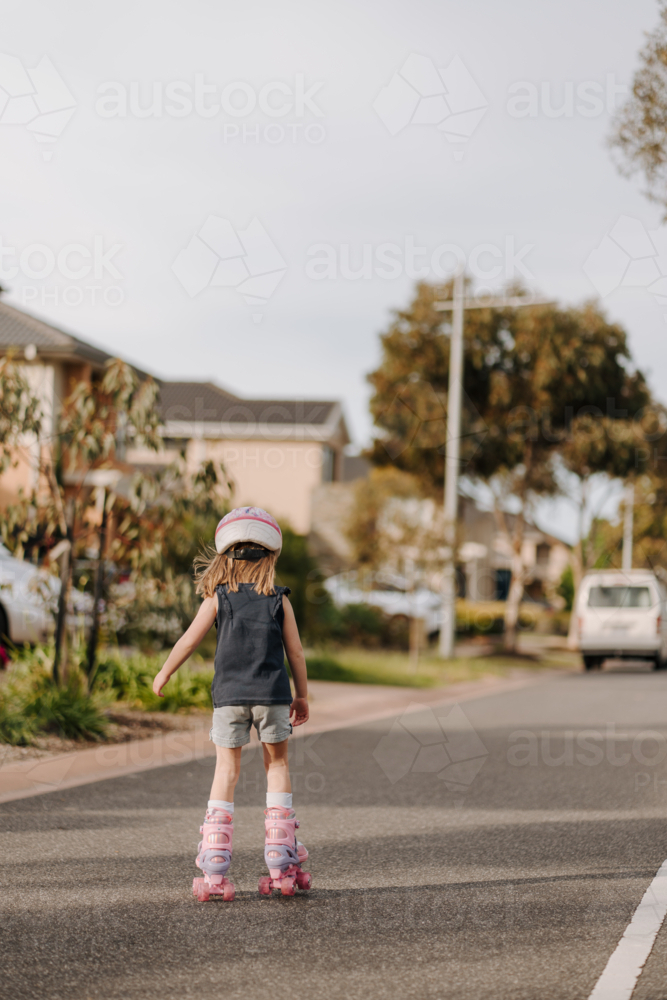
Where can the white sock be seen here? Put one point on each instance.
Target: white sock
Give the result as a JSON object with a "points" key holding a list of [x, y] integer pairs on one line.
{"points": [[221, 804], [282, 799]]}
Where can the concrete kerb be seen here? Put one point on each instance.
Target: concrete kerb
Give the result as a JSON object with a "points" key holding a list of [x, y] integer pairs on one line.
{"points": [[38, 777]]}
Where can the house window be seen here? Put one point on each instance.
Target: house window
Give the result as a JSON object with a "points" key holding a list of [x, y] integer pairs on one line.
{"points": [[503, 580], [461, 582], [328, 464], [542, 554]]}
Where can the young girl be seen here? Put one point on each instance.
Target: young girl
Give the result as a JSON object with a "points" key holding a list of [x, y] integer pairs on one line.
{"points": [[250, 687]]}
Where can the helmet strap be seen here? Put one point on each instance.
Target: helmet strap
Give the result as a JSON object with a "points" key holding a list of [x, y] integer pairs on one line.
{"points": [[247, 555]]}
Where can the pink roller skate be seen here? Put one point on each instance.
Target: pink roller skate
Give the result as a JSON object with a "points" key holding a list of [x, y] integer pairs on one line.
{"points": [[214, 858], [283, 853]]}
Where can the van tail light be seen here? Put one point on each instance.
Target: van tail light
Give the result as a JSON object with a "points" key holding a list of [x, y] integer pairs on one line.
{"points": [[580, 626], [658, 625]]}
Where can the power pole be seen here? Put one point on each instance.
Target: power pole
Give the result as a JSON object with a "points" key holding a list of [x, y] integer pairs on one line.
{"points": [[452, 457], [458, 305], [628, 526]]}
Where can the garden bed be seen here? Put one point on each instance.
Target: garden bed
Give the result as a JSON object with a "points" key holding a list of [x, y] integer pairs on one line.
{"points": [[125, 724]]}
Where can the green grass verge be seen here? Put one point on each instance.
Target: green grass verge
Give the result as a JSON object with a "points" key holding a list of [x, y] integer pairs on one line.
{"points": [[359, 666]]}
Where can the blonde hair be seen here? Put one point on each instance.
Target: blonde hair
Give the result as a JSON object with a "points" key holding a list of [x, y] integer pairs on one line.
{"points": [[212, 569]]}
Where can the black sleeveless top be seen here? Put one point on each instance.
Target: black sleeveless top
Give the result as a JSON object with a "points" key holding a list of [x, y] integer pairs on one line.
{"points": [[249, 656]]}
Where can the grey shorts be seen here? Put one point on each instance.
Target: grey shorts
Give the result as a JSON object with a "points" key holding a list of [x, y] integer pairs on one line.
{"points": [[231, 724]]}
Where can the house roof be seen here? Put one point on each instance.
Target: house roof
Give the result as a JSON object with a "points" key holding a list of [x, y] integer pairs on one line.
{"points": [[186, 407], [19, 329], [472, 511], [205, 402], [181, 400]]}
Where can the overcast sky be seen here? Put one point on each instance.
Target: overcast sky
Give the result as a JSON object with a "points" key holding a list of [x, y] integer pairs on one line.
{"points": [[238, 164]]}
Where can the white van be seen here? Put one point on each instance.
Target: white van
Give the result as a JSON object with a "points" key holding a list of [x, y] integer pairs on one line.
{"points": [[622, 615]]}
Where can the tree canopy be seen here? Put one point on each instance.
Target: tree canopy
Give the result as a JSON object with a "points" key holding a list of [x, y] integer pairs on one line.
{"points": [[639, 136], [542, 384], [529, 373]]}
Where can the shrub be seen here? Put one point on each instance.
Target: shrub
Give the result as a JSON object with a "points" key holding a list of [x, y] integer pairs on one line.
{"points": [[366, 626], [566, 587], [299, 571], [15, 728], [324, 668], [30, 704], [68, 711], [130, 679], [474, 618]]}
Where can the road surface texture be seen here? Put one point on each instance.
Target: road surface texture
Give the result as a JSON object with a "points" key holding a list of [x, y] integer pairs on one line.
{"points": [[498, 849]]}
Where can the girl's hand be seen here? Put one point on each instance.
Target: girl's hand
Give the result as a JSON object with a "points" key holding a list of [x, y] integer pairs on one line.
{"points": [[299, 713], [159, 682]]}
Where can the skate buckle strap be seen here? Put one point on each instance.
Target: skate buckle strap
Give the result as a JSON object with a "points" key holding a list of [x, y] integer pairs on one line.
{"points": [[218, 816]]}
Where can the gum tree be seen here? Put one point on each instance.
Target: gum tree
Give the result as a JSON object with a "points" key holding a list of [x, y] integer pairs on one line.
{"points": [[599, 451], [20, 417], [391, 526], [149, 527], [639, 136], [96, 420], [529, 373]]}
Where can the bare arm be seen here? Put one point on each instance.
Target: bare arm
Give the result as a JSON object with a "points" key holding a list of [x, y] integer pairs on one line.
{"points": [[297, 662], [187, 644]]}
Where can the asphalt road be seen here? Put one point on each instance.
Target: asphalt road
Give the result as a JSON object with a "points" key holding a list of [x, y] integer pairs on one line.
{"points": [[497, 852]]}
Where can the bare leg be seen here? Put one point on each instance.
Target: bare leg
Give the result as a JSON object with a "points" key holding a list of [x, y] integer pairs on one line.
{"points": [[227, 770], [276, 766]]}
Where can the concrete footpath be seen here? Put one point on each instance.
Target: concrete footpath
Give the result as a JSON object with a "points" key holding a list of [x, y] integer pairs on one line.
{"points": [[333, 705]]}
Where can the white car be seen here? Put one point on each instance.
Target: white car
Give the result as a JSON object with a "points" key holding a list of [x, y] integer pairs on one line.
{"points": [[622, 615], [25, 596], [391, 593]]}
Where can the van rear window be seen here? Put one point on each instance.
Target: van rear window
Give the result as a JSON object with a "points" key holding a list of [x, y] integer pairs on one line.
{"points": [[619, 597]]}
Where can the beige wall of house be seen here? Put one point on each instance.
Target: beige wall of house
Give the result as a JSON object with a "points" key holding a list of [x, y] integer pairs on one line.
{"points": [[17, 478], [277, 475]]}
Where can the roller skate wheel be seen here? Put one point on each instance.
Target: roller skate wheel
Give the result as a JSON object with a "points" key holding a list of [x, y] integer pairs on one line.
{"points": [[202, 892], [228, 892], [287, 887], [265, 887], [304, 880], [195, 883]]}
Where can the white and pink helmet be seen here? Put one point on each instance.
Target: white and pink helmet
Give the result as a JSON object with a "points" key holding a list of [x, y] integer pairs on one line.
{"points": [[248, 524]]}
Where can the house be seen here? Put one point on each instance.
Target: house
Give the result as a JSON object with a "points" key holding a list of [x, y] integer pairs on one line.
{"points": [[52, 362], [275, 452], [484, 554]]}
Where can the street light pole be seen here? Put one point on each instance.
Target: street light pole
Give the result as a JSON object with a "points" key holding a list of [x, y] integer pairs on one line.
{"points": [[628, 526], [457, 305], [452, 456]]}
